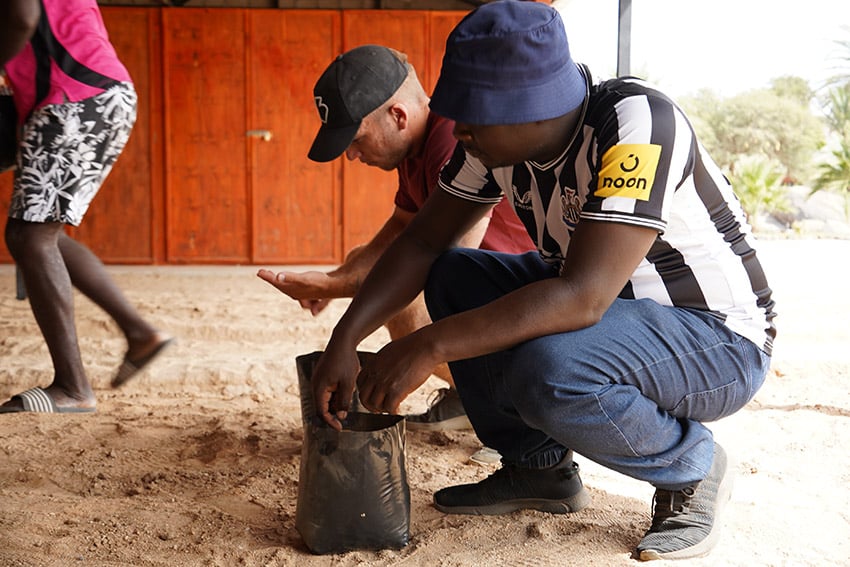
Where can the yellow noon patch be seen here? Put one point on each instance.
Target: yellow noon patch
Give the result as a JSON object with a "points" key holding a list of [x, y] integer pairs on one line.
{"points": [[628, 170]]}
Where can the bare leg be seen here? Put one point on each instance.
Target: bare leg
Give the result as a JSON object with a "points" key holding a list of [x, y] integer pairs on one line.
{"points": [[35, 249], [413, 317], [90, 277]]}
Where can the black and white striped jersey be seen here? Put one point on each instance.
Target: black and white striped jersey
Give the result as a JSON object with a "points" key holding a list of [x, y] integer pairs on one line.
{"points": [[635, 159]]}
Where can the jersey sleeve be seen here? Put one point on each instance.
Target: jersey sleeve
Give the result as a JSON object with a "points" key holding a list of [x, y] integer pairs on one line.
{"points": [[643, 151], [465, 177]]}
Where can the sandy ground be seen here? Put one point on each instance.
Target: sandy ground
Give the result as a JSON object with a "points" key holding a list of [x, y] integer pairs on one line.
{"points": [[196, 461]]}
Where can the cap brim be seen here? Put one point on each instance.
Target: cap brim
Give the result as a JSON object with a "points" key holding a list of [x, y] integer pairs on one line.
{"points": [[331, 142]]}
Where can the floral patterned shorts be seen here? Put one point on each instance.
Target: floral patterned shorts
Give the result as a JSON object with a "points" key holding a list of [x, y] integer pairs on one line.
{"points": [[65, 153]]}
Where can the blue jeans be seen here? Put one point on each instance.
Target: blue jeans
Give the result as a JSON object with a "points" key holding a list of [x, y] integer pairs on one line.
{"points": [[630, 392]]}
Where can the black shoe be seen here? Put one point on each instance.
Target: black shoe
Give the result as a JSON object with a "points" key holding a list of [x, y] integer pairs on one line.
{"points": [[557, 490], [684, 522]]}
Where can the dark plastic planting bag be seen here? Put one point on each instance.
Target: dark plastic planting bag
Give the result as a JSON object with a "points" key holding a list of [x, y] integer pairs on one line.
{"points": [[352, 488], [8, 130]]}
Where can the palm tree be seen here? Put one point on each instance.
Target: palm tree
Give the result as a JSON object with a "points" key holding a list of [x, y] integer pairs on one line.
{"points": [[835, 175], [758, 184], [843, 65], [837, 109]]}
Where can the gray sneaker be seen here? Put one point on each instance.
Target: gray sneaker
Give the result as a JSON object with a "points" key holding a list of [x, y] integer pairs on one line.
{"points": [[684, 522], [445, 412]]}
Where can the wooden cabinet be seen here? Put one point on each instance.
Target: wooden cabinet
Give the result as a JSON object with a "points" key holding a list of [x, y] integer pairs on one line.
{"points": [[216, 170]]}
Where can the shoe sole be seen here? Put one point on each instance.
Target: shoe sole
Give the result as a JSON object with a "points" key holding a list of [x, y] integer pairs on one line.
{"points": [[574, 503], [486, 456], [452, 424], [724, 494]]}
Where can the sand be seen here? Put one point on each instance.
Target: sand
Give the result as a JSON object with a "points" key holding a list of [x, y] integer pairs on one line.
{"points": [[196, 461]]}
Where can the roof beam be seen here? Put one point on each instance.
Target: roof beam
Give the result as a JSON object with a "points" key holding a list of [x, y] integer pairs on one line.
{"points": [[624, 38]]}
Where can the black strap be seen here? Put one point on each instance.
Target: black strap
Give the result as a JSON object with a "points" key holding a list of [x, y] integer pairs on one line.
{"points": [[47, 47]]}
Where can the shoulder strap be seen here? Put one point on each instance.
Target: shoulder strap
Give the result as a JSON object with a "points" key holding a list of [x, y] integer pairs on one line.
{"points": [[47, 47]]}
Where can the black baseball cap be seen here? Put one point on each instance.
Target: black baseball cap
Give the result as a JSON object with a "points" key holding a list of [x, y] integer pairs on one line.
{"points": [[355, 84]]}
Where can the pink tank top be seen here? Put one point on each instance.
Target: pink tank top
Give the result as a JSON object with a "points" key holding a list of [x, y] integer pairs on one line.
{"points": [[77, 26]]}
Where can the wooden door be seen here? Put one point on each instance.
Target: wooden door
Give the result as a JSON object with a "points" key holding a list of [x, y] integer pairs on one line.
{"points": [[207, 199], [295, 201]]}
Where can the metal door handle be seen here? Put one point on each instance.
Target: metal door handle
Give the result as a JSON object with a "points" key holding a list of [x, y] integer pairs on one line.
{"points": [[264, 134]]}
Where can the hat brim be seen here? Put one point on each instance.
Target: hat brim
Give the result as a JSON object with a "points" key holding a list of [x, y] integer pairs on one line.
{"points": [[473, 103], [331, 142]]}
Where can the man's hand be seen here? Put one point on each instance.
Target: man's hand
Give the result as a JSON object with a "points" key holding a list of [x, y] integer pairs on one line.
{"points": [[314, 306], [333, 382], [313, 290], [398, 369]]}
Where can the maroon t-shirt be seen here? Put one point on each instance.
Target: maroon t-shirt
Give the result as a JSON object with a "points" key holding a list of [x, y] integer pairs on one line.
{"points": [[417, 178]]}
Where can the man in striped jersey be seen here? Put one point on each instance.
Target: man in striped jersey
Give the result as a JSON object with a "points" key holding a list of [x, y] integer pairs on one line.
{"points": [[644, 313]]}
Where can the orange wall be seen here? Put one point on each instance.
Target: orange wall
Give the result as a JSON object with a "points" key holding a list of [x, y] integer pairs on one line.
{"points": [[199, 182]]}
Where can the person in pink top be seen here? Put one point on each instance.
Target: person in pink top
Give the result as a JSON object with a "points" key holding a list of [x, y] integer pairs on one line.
{"points": [[374, 109], [76, 108]]}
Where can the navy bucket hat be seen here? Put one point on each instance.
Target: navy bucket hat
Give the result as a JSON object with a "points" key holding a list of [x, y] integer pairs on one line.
{"points": [[508, 62]]}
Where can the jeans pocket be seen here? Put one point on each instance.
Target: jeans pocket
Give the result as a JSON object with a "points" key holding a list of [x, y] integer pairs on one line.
{"points": [[711, 405]]}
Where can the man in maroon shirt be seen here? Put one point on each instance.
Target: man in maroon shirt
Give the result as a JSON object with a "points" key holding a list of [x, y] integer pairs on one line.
{"points": [[374, 109]]}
